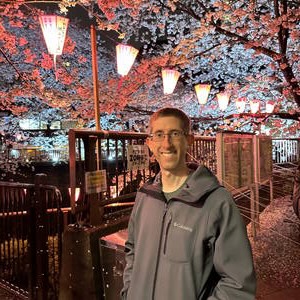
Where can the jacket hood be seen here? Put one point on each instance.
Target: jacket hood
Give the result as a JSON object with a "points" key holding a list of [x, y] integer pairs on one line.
{"points": [[199, 184]]}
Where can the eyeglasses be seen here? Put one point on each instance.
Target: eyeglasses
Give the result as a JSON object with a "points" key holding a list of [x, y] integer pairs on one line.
{"points": [[159, 136]]}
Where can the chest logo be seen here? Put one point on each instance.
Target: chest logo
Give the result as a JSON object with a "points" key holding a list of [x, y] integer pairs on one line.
{"points": [[186, 228]]}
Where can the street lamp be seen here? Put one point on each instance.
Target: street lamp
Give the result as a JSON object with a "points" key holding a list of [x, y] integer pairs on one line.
{"points": [[202, 91], [170, 78]]}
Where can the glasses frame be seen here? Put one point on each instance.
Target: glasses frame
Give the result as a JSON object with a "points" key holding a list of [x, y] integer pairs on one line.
{"points": [[173, 135]]}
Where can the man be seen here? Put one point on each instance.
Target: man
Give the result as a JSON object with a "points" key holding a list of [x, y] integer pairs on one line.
{"points": [[186, 238]]}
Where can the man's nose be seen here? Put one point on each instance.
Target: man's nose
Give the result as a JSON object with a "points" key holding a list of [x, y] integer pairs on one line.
{"points": [[167, 139]]}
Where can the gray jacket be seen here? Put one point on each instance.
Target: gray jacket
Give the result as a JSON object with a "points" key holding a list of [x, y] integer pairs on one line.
{"points": [[193, 247]]}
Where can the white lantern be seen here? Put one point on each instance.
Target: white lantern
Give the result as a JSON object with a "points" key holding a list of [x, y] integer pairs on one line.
{"points": [[223, 100], [240, 104], [125, 58], [254, 106], [77, 193], [54, 30], [170, 78], [270, 106], [202, 91]]}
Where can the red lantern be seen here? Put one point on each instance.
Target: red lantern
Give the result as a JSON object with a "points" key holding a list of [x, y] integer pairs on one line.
{"points": [[240, 104], [125, 58], [270, 105], [54, 30], [170, 78], [254, 106], [223, 100], [202, 91]]}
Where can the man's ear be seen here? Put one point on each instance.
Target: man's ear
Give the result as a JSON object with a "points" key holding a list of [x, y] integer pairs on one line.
{"points": [[149, 144]]}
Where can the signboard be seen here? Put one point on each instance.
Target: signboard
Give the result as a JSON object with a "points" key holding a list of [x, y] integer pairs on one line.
{"points": [[235, 160], [95, 182], [67, 124], [137, 157], [243, 159]]}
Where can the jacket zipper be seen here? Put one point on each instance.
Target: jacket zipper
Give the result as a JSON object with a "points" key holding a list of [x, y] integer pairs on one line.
{"points": [[159, 248], [166, 236]]}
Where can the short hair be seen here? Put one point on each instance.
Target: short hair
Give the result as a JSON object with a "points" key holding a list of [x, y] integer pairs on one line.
{"points": [[172, 112]]}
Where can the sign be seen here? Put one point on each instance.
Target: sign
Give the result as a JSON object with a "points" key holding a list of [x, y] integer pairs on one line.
{"points": [[235, 160], [95, 182], [137, 157]]}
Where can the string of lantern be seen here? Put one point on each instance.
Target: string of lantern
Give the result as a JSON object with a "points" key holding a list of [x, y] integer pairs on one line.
{"points": [[54, 29], [170, 78]]}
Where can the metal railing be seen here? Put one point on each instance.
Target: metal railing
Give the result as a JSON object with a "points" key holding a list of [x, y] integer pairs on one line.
{"points": [[203, 148], [30, 238], [108, 150], [36, 154], [285, 150], [203, 151]]}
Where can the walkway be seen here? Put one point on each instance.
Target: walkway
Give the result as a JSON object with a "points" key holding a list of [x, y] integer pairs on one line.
{"points": [[277, 252]]}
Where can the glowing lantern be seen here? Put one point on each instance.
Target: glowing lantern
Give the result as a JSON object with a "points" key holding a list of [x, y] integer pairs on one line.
{"points": [[125, 58], [223, 100], [254, 106], [54, 30], [270, 106], [77, 193], [202, 91], [240, 104], [170, 78]]}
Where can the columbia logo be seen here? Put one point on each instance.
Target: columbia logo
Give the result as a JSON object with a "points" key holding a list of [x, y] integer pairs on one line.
{"points": [[183, 227]]}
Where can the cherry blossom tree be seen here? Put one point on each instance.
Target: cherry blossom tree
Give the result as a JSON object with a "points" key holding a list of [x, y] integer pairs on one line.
{"points": [[249, 48]]}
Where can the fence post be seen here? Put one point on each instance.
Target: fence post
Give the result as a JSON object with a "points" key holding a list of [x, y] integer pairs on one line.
{"points": [[38, 283], [95, 213]]}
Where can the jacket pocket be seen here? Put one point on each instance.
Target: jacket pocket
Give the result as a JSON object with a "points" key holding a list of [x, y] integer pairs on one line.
{"points": [[179, 241]]}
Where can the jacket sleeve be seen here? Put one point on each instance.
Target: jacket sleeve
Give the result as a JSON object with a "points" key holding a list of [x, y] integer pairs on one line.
{"points": [[232, 256], [129, 255]]}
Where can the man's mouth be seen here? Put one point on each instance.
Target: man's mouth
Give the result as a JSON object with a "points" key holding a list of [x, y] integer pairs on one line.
{"points": [[167, 153]]}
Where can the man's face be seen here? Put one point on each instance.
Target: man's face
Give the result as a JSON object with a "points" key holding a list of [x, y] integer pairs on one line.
{"points": [[169, 151]]}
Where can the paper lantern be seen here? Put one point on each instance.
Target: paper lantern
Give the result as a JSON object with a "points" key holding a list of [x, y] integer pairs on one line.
{"points": [[125, 58], [77, 193], [240, 104], [223, 100], [270, 105], [170, 78], [54, 30], [254, 106], [202, 91]]}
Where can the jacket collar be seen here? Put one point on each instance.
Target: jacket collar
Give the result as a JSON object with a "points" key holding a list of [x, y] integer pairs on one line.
{"points": [[200, 183]]}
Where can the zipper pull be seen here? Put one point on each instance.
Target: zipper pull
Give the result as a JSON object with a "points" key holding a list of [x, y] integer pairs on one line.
{"points": [[165, 208]]}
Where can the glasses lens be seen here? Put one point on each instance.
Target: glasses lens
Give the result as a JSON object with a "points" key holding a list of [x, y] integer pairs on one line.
{"points": [[173, 135]]}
